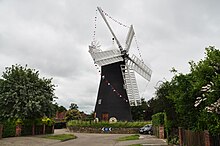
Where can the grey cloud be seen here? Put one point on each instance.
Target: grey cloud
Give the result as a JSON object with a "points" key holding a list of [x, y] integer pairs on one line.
{"points": [[53, 37]]}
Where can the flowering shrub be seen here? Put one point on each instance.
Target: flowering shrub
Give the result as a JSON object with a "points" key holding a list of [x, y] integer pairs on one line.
{"points": [[47, 121]]}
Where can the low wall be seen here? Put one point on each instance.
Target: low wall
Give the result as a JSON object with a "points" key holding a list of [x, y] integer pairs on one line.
{"points": [[104, 130]]}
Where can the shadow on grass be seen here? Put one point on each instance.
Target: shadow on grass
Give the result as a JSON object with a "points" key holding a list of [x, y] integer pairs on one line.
{"points": [[131, 137], [61, 137]]}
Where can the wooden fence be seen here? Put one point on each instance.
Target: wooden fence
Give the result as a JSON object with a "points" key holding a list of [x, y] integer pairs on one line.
{"points": [[190, 138], [215, 140], [34, 130], [202, 138], [26, 130]]}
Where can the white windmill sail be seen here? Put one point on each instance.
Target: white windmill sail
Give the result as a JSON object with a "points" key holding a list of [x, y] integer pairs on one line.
{"points": [[106, 57], [142, 69], [129, 38], [131, 86], [109, 27]]}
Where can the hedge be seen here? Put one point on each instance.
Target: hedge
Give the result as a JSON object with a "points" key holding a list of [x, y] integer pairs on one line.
{"points": [[8, 129], [106, 124], [158, 119]]}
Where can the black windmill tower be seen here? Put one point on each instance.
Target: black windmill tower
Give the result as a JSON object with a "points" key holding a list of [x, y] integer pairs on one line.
{"points": [[118, 88]]}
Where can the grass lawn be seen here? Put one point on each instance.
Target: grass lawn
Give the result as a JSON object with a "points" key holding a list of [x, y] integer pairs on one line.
{"points": [[136, 145], [61, 137], [132, 137]]}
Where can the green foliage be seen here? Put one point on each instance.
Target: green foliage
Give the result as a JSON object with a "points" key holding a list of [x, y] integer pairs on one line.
{"points": [[47, 121], [131, 137], [73, 114], [61, 137], [19, 122], [9, 128], [158, 119], [138, 112], [24, 95], [191, 96], [102, 124], [39, 121], [173, 139], [30, 122], [209, 121], [161, 103], [182, 94], [73, 106], [61, 109]]}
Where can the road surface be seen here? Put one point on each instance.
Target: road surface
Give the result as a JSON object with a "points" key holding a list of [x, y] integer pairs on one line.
{"points": [[83, 139]]}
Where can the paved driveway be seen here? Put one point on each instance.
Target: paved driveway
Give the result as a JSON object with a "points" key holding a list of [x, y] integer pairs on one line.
{"points": [[84, 139]]}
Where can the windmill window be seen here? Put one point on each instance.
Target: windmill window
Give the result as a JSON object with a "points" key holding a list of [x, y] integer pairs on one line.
{"points": [[100, 101]]}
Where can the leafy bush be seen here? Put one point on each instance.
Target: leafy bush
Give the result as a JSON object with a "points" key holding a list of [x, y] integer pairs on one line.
{"points": [[119, 124], [9, 128], [73, 114], [19, 122], [47, 121], [158, 119]]}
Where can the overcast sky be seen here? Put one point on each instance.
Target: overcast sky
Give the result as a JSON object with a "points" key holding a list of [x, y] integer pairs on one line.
{"points": [[52, 36]]}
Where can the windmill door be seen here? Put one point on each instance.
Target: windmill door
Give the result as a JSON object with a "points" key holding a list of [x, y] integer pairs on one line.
{"points": [[105, 117]]}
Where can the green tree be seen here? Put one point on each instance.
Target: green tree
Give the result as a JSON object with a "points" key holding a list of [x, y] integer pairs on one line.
{"points": [[194, 96], [73, 114], [24, 95], [73, 106], [138, 112], [61, 109], [183, 96], [163, 104], [207, 76], [206, 83]]}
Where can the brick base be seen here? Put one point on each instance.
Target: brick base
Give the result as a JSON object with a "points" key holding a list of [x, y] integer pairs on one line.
{"points": [[161, 132], [18, 130], [207, 138], [180, 136]]}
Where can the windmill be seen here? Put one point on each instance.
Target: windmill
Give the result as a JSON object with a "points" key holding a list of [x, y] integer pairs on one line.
{"points": [[118, 89]]}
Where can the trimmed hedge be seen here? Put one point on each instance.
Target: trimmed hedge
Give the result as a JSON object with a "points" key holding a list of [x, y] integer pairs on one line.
{"points": [[75, 123], [158, 119], [100, 130]]}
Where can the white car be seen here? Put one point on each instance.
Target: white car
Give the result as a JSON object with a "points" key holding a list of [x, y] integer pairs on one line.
{"points": [[147, 129]]}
